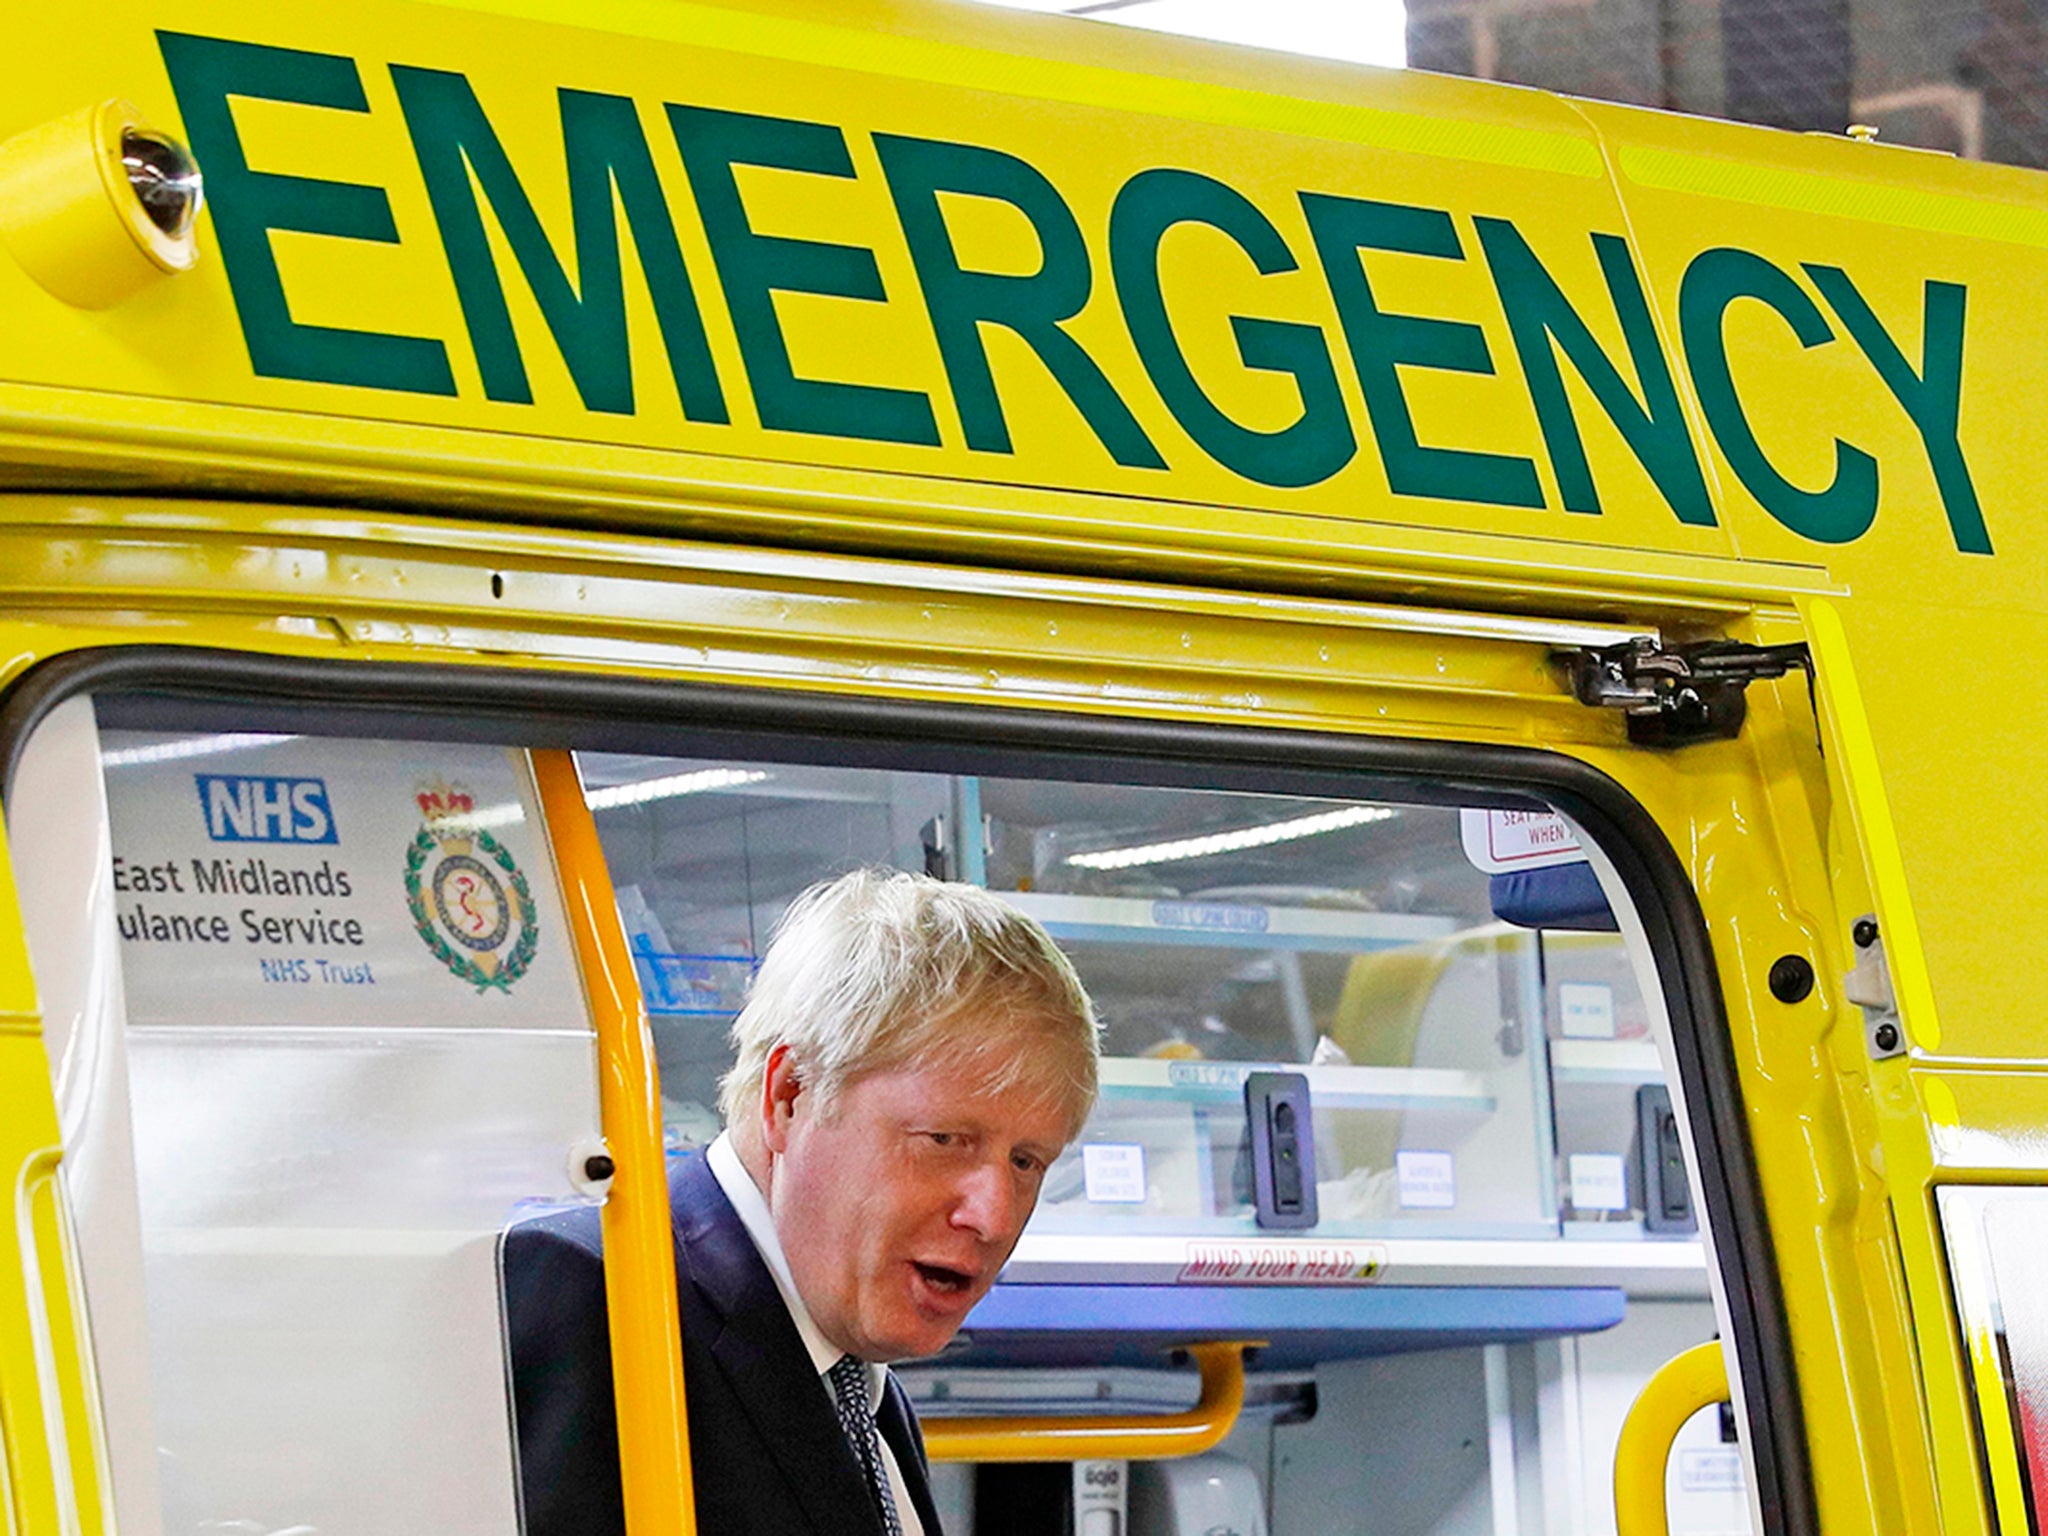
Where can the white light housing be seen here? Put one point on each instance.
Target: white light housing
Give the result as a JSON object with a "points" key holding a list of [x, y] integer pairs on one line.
{"points": [[1356, 31]]}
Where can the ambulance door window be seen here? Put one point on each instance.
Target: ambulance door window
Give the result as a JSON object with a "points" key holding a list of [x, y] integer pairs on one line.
{"points": [[336, 1044], [1483, 1052], [1481, 1046]]}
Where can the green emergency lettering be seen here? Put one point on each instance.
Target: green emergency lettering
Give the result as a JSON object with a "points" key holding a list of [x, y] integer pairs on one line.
{"points": [[1382, 344], [1933, 397], [612, 181], [605, 148], [1844, 509], [1543, 323], [1319, 442], [1034, 307], [753, 268], [247, 205]]}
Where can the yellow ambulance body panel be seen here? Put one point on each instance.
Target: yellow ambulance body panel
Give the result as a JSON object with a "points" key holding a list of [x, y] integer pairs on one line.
{"points": [[934, 353]]}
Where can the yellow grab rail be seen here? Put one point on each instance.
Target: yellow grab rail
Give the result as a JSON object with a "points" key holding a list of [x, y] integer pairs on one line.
{"points": [[1681, 1387], [639, 1251], [1123, 1437]]}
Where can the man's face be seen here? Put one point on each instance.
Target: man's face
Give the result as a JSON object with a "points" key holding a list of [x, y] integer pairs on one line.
{"points": [[898, 1206]]}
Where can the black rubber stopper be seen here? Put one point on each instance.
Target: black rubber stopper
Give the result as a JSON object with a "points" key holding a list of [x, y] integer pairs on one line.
{"points": [[1791, 978]]}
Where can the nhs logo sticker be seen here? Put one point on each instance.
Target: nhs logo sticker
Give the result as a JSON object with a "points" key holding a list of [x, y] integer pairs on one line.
{"points": [[256, 808]]}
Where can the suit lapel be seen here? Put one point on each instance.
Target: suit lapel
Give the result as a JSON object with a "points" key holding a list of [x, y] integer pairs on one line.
{"points": [[756, 1345]]}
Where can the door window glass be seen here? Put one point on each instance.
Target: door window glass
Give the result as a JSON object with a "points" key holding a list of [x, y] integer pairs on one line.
{"points": [[1488, 1123], [1475, 1041]]}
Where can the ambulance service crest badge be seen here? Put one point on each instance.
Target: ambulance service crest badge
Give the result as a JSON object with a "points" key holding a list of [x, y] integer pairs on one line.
{"points": [[471, 904]]}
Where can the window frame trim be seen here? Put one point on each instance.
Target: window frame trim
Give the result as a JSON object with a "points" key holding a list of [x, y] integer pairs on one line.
{"points": [[609, 712]]}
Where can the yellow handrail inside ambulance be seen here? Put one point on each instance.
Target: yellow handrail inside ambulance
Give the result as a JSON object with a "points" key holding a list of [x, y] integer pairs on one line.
{"points": [[1680, 1388], [1148, 1437]]}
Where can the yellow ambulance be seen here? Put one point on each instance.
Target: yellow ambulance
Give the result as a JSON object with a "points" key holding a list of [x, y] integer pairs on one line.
{"points": [[1504, 615]]}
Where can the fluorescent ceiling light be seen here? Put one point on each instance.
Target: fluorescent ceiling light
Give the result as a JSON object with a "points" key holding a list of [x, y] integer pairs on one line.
{"points": [[675, 784], [1232, 842], [197, 746], [617, 795]]}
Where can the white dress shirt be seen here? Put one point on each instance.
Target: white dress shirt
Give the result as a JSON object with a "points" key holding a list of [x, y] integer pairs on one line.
{"points": [[754, 1215]]}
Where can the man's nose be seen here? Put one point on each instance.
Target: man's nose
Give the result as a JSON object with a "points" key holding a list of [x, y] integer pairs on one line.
{"points": [[989, 1204]]}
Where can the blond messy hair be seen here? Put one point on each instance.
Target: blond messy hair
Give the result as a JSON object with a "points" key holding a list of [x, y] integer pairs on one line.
{"points": [[880, 971]]}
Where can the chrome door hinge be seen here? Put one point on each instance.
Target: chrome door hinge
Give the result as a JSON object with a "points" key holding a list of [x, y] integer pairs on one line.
{"points": [[1869, 987], [1677, 694]]}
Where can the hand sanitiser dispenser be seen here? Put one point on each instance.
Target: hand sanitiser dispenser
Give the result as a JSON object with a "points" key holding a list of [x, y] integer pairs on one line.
{"points": [[1212, 1495]]}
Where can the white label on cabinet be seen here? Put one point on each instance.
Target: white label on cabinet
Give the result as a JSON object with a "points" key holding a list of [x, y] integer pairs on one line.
{"points": [[1429, 1180], [1283, 1263], [1208, 1074], [1586, 1010], [1717, 1469], [1115, 1172], [1498, 841], [1599, 1182], [1211, 915]]}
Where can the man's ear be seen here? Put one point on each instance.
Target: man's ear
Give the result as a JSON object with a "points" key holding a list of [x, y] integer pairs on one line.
{"points": [[782, 1086]]}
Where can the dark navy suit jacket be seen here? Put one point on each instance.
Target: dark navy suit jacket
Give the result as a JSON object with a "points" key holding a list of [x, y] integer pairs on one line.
{"points": [[766, 1450]]}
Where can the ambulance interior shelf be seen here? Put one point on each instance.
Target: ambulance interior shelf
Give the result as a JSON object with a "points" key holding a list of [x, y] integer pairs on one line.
{"points": [[1471, 1079], [1139, 1327]]}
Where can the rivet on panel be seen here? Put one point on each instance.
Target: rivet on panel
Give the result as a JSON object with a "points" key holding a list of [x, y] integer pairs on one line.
{"points": [[1791, 978]]}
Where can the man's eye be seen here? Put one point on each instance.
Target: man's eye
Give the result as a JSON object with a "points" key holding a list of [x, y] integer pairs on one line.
{"points": [[1024, 1162], [944, 1138]]}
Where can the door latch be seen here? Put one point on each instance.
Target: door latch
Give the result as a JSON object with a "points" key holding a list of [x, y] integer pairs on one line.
{"points": [[1677, 694]]}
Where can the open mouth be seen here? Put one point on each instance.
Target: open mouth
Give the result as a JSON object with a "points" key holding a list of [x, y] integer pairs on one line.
{"points": [[943, 1280]]}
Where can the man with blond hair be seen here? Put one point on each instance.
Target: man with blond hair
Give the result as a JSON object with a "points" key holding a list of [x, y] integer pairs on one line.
{"points": [[912, 1056]]}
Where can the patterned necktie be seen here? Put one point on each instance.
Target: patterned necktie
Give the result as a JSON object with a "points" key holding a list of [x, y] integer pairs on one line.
{"points": [[849, 1380]]}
